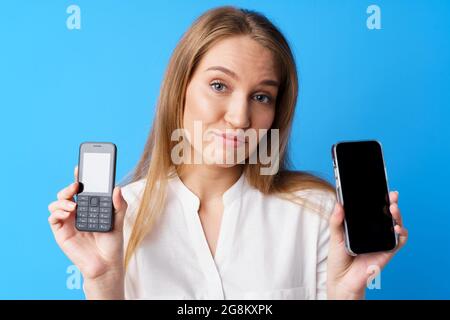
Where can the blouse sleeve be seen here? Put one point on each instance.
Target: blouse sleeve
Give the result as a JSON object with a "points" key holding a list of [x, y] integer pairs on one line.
{"points": [[322, 247], [132, 195]]}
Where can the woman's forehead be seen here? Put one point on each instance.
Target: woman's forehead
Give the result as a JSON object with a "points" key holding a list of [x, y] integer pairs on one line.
{"points": [[241, 55]]}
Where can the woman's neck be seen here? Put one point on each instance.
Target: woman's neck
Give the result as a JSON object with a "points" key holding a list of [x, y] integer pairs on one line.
{"points": [[209, 182]]}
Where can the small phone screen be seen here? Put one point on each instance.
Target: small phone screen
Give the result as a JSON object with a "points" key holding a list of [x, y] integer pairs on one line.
{"points": [[365, 196], [96, 172]]}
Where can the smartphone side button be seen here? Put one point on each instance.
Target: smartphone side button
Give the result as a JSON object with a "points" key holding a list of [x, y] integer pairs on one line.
{"points": [[339, 194]]}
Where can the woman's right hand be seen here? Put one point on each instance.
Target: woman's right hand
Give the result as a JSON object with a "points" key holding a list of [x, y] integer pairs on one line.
{"points": [[98, 255]]}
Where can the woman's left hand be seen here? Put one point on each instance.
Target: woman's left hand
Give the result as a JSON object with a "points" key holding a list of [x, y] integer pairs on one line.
{"points": [[348, 275]]}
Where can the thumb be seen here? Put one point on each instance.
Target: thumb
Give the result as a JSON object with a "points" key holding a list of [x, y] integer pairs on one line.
{"points": [[336, 224], [120, 206]]}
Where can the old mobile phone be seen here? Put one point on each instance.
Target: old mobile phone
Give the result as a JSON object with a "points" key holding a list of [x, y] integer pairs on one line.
{"points": [[96, 177], [362, 189]]}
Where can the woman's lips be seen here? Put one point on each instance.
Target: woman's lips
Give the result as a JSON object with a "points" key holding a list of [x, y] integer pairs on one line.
{"points": [[231, 140]]}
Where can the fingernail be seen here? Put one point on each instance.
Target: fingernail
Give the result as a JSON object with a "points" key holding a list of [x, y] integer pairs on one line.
{"points": [[72, 205]]}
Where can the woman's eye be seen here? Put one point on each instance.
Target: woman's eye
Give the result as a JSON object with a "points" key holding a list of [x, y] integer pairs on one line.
{"points": [[218, 86], [262, 98]]}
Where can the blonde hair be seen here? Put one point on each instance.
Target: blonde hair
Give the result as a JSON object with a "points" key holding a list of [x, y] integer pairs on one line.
{"points": [[155, 164]]}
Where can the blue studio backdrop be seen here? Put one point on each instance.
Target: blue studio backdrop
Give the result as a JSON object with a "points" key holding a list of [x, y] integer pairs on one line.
{"points": [[61, 84]]}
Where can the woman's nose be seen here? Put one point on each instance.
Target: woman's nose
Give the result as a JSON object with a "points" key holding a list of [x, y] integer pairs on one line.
{"points": [[238, 113]]}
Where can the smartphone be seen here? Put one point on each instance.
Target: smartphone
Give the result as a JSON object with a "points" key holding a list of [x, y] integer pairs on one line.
{"points": [[96, 177], [362, 189]]}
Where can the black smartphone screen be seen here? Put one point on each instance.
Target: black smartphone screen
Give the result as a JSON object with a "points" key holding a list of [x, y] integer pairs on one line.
{"points": [[365, 196]]}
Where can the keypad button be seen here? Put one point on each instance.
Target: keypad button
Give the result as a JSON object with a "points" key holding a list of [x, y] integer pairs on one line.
{"points": [[83, 203], [81, 225], [105, 221], [104, 227], [92, 220], [82, 198], [92, 226], [105, 204], [93, 209], [82, 214], [106, 199], [105, 210], [104, 216], [94, 202], [82, 209], [82, 220], [92, 215]]}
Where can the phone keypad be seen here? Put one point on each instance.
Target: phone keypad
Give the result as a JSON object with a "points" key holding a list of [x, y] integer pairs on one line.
{"points": [[94, 213]]}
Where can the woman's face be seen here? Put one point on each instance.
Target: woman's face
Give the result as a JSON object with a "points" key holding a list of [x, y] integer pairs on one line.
{"points": [[232, 94]]}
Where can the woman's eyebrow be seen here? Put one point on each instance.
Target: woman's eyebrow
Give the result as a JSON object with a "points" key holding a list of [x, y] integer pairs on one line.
{"points": [[224, 70], [232, 74], [269, 82]]}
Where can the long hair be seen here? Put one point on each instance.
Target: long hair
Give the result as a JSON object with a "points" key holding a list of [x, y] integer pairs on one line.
{"points": [[155, 164]]}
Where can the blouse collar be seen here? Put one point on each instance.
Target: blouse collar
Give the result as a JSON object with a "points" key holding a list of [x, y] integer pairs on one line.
{"points": [[189, 198]]}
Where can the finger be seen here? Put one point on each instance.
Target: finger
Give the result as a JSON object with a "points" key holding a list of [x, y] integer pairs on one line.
{"points": [[395, 211], [68, 192], [120, 206], [393, 197], [401, 231], [403, 235], [75, 173], [336, 224], [66, 205], [58, 216]]}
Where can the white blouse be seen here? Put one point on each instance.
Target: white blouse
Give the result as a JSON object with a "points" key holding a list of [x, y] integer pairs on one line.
{"points": [[268, 247]]}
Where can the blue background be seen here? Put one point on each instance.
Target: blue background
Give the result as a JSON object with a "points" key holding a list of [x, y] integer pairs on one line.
{"points": [[59, 87]]}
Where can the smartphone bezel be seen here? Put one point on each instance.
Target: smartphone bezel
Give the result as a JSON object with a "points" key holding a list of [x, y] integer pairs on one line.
{"points": [[340, 197]]}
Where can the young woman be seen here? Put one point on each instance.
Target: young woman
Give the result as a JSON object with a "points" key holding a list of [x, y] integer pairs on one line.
{"points": [[221, 230]]}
